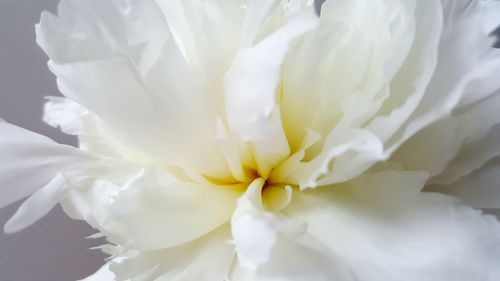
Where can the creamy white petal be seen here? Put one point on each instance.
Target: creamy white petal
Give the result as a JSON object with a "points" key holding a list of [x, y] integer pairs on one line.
{"points": [[345, 83], [147, 93], [456, 76], [38, 204], [251, 93], [26, 153], [95, 30], [429, 237], [69, 116], [206, 96], [208, 258], [93, 136], [480, 189], [471, 157], [408, 86], [154, 210], [314, 172], [51, 168], [207, 32], [297, 260], [439, 143], [270, 247], [257, 13]]}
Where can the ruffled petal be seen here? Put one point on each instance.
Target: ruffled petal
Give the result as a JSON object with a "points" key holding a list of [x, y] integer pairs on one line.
{"points": [[345, 69], [351, 145], [92, 45], [26, 153], [480, 188], [442, 141], [270, 247], [458, 80], [52, 169], [409, 84], [251, 93], [428, 237], [38, 204], [207, 32], [292, 260], [155, 210], [471, 157], [208, 258], [93, 135]]}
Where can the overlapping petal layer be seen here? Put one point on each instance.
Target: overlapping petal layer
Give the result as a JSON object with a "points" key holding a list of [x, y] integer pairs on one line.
{"points": [[205, 126]]}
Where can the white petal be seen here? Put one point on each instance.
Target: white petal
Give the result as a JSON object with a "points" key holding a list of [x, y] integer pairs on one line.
{"points": [[208, 258], [359, 47], [430, 237], [38, 204], [292, 260], [480, 189], [251, 93], [457, 77], [143, 56], [206, 32], [270, 247], [94, 30], [471, 157], [103, 274], [30, 161], [443, 140], [253, 230], [257, 13], [93, 135], [69, 116], [409, 84], [492, 17], [154, 210]]}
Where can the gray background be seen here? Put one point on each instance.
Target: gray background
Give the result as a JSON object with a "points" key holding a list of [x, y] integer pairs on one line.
{"points": [[55, 248]]}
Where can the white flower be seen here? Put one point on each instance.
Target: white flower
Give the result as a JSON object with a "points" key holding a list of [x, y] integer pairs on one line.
{"points": [[254, 140]]}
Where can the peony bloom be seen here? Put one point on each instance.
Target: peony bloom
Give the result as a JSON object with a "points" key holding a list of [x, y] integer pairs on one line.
{"points": [[255, 140]]}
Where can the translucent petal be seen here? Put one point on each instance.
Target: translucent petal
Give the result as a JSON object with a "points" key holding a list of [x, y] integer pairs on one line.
{"points": [[208, 258], [428, 236], [155, 210], [270, 247], [102, 274], [252, 93]]}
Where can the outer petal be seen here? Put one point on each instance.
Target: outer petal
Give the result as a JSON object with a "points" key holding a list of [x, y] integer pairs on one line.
{"points": [[459, 79], [107, 193], [154, 210], [103, 274], [409, 84], [94, 44], [429, 237], [208, 258], [38, 204], [93, 135], [480, 188], [207, 32], [442, 141], [26, 153], [471, 157]]}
